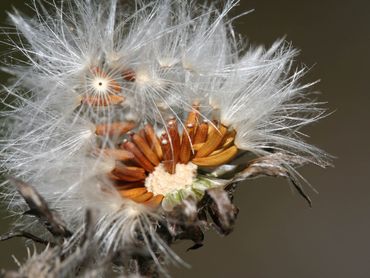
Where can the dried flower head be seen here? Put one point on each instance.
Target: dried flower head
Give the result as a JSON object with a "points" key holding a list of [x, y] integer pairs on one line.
{"points": [[149, 119]]}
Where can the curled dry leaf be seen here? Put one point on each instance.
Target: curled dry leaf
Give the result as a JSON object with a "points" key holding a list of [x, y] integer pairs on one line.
{"points": [[39, 208], [274, 165], [218, 204], [23, 234], [183, 224]]}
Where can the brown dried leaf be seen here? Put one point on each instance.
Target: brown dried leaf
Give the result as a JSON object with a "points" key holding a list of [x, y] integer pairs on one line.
{"points": [[14, 234], [183, 223], [274, 165], [220, 208], [40, 209]]}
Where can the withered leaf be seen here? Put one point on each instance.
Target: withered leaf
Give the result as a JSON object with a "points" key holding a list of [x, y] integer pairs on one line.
{"points": [[23, 234], [39, 208], [223, 212], [183, 223], [274, 165]]}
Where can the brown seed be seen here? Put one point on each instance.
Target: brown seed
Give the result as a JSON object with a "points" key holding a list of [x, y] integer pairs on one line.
{"points": [[130, 171], [124, 178], [153, 141], [228, 139], [114, 129], [145, 149], [216, 152], [139, 156], [121, 185], [116, 154], [142, 134], [188, 135], [174, 137], [201, 134], [154, 202], [186, 146], [168, 162], [113, 177], [197, 147], [217, 159], [133, 193], [214, 139], [142, 198], [193, 116]]}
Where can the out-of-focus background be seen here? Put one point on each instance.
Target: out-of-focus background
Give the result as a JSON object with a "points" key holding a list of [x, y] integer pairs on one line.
{"points": [[277, 235]]}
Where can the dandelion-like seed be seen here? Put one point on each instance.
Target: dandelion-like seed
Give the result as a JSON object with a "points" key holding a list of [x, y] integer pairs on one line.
{"points": [[124, 133]]}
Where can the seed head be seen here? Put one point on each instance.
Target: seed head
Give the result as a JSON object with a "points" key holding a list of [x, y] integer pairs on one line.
{"points": [[150, 118]]}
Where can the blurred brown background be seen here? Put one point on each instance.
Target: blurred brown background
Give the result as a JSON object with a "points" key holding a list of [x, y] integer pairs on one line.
{"points": [[277, 235]]}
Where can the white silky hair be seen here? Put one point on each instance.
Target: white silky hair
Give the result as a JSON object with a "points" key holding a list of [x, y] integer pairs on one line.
{"points": [[267, 106], [180, 53]]}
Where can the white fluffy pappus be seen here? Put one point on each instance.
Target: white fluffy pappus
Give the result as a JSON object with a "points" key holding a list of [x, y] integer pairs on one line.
{"points": [[268, 106], [93, 70]]}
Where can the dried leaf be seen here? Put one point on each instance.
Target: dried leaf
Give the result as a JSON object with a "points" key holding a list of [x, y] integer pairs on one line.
{"points": [[275, 165], [220, 208], [40, 209], [23, 234], [183, 223]]}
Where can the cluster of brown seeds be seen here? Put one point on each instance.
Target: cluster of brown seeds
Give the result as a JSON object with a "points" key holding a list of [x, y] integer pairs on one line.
{"points": [[205, 144]]}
